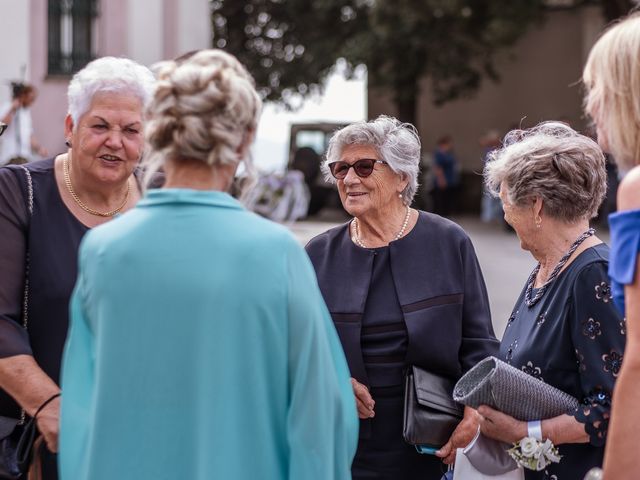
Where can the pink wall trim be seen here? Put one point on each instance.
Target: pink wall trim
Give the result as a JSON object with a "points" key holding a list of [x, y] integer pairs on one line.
{"points": [[50, 108], [112, 28], [170, 37]]}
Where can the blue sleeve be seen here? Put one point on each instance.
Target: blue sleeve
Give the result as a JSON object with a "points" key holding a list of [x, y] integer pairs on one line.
{"points": [[598, 334], [625, 244], [322, 424], [77, 381]]}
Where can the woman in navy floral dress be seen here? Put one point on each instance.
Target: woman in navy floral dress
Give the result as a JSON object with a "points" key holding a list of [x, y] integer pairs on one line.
{"points": [[564, 328]]}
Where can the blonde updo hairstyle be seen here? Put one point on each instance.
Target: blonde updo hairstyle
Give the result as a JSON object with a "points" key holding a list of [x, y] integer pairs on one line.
{"points": [[612, 80], [205, 108]]}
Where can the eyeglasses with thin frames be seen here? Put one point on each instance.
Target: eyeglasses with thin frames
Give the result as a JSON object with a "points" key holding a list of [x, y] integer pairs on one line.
{"points": [[362, 167]]}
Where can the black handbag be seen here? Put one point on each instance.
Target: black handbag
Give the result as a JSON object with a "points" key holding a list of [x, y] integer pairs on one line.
{"points": [[16, 447], [16, 443], [430, 414]]}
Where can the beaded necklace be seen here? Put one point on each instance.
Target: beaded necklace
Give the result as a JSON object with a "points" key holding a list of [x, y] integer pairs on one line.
{"points": [[565, 258]]}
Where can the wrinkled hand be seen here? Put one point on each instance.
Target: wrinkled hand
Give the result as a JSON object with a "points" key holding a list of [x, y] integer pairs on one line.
{"points": [[499, 426], [460, 438], [48, 422], [364, 401]]}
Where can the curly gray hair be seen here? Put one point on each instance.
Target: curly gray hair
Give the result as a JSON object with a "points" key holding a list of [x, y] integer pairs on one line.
{"points": [[554, 162], [397, 143]]}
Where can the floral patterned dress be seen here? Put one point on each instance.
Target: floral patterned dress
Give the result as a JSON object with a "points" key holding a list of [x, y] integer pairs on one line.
{"points": [[572, 338]]}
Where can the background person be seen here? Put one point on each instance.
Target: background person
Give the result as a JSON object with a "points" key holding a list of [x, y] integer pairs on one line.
{"points": [[403, 287], [200, 347], [73, 192], [612, 80], [19, 141], [445, 177], [491, 207], [564, 328]]}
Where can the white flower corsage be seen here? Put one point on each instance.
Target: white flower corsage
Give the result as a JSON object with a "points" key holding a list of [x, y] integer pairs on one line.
{"points": [[533, 454]]}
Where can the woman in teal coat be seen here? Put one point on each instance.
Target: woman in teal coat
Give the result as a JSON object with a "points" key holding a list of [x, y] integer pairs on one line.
{"points": [[200, 346]]}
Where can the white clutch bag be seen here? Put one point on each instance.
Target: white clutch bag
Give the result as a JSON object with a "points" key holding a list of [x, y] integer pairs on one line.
{"points": [[464, 470]]}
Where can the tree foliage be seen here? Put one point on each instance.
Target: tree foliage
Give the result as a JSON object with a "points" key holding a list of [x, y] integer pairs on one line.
{"points": [[290, 46]]}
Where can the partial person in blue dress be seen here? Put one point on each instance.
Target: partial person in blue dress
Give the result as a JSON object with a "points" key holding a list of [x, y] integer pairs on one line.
{"points": [[564, 329], [612, 80], [200, 347]]}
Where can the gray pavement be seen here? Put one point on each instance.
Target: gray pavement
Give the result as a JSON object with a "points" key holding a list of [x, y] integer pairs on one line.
{"points": [[504, 264]]}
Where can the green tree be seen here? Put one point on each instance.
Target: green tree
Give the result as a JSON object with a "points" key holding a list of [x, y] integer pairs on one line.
{"points": [[290, 46], [450, 42]]}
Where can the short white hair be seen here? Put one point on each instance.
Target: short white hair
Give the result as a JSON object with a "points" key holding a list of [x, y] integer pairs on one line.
{"points": [[108, 74], [396, 142]]}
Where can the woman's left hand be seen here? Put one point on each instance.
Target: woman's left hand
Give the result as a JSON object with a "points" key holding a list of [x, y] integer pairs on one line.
{"points": [[461, 436], [499, 426]]}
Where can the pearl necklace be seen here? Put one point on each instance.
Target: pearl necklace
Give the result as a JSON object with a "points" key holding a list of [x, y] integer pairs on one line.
{"points": [[74, 195], [356, 237]]}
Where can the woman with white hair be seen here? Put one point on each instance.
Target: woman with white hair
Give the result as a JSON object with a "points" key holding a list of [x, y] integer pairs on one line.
{"points": [[404, 289], [200, 347], [564, 328], [612, 80], [46, 207]]}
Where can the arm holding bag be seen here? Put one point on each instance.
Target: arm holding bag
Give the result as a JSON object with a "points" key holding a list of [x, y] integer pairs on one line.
{"points": [[497, 384]]}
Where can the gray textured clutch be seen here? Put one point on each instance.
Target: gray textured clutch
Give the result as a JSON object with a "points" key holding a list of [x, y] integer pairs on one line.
{"points": [[497, 384]]}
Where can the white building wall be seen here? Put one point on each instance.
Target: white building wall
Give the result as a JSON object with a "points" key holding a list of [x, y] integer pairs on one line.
{"points": [[194, 25], [14, 44], [145, 31]]}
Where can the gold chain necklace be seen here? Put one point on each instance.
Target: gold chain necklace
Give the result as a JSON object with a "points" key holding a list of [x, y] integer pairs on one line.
{"points": [[74, 195]]}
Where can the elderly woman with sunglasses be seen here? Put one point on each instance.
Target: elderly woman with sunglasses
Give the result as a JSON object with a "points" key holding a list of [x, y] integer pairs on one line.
{"points": [[403, 288]]}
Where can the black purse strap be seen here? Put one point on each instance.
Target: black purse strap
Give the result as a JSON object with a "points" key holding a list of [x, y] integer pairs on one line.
{"points": [[45, 403]]}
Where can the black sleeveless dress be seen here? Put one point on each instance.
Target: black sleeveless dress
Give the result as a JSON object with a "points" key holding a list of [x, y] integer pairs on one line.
{"points": [[51, 236]]}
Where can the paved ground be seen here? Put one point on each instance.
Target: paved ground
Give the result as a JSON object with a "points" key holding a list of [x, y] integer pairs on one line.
{"points": [[504, 264]]}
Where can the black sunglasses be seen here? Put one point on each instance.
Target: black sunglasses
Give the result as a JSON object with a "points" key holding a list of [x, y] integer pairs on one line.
{"points": [[362, 167], [3, 127]]}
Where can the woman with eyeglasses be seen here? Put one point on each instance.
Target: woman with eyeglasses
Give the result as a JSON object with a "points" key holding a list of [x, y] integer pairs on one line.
{"points": [[403, 287]]}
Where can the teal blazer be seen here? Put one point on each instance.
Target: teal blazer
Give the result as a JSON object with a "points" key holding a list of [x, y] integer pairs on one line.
{"points": [[200, 348]]}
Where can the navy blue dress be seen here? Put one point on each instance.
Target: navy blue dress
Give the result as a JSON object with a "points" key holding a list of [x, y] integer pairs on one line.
{"points": [[573, 339], [419, 301], [51, 235], [385, 455]]}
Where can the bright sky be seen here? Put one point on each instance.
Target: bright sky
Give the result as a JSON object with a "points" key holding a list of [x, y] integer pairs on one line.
{"points": [[342, 101]]}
